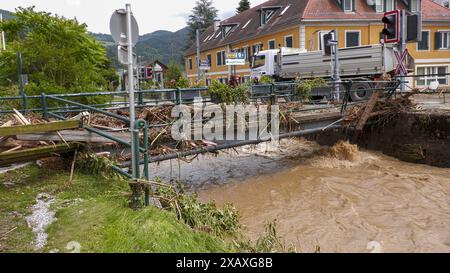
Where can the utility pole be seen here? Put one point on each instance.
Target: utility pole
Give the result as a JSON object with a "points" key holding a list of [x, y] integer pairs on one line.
{"points": [[197, 32], [3, 34], [336, 75], [131, 95]]}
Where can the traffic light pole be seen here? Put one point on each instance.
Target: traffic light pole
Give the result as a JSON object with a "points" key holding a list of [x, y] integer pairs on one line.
{"points": [[402, 46], [199, 75], [336, 76]]}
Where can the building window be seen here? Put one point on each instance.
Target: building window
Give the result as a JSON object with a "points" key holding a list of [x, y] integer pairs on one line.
{"points": [[245, 51], [321, 36], [425, 43], [414, 5], [385, 5], [209, 57], [348, 5], [227, 29], [220, 58], [257, 48], [427, 75], [289, 41], [352, 38], [390, 5], [267, 14], [190, 64], [272, 44], [442, 40]]}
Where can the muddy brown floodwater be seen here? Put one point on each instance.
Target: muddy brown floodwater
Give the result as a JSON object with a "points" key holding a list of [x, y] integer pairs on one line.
{"points": [[372, 203]]}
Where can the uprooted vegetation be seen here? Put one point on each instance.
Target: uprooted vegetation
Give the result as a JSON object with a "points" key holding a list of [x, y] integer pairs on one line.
{"points": [[383, 111]]}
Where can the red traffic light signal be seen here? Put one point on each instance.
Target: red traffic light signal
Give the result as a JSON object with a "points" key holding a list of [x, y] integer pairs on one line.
{"points": [[391, 29], [149, 72]]}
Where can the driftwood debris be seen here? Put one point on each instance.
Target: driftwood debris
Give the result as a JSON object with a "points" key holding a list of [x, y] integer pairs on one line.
{"points": [[73, 135]]}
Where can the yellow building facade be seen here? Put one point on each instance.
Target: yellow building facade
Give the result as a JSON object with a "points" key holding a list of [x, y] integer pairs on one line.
{"points": [[429, 57]]}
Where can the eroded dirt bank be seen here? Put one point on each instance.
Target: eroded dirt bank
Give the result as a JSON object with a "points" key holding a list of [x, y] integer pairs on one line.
{"points": [[422, 138]]}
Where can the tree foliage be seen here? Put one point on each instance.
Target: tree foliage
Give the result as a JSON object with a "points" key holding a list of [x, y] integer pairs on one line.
{"points": [[174, 77], [243, 6], [203, 16], [58, 54]]}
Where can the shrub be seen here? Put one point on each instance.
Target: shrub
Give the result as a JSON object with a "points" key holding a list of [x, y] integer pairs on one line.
{"points": [[10, 91], [305, 87], [223, 93], [265, 79]]}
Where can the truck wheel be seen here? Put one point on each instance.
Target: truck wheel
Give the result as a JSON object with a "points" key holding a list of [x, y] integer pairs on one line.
{"points": [[361, 91]]}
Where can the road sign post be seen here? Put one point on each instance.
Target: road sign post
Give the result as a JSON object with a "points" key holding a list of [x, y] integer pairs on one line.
{"points": [[125, 32]]}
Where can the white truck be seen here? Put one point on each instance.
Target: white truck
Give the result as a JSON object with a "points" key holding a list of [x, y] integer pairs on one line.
{"points": [[365, 62]]}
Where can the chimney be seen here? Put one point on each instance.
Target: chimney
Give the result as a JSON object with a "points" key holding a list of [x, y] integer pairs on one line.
{"points": [[216, 25]]}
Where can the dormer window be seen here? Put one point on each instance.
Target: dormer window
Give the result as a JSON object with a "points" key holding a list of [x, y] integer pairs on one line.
{"points": [[414, 5], [227, 29], [267, 14], [347, 5], [385, 5]]}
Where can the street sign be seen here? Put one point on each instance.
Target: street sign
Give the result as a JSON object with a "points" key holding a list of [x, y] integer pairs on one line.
{"points": [[118, 27], [205, 65], [235, 58], [401, 58], [122, 55]]}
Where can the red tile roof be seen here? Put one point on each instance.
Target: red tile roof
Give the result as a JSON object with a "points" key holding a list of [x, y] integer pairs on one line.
{"points": [[434, 11]]}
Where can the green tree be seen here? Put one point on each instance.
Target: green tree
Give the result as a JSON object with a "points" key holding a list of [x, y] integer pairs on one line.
{"points": [[203, 16], [243, 6], [58, 54], [174, 77]]}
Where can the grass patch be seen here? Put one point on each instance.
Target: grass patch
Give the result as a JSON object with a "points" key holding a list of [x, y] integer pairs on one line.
{"points": [[92, 212]]}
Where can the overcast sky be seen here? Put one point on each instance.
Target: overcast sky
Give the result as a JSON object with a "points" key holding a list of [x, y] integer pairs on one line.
{"points": [[151, 14]]}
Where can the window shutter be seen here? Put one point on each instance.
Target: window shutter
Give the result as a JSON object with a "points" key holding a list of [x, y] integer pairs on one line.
{"points": [[437, 40]]}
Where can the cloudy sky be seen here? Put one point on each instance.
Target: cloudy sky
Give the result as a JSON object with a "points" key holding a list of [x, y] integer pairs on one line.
{"points": [[151, 14]]}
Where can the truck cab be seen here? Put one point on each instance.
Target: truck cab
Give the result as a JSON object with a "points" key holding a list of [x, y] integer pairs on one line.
{"points": [[264, 63], [267, 62]]}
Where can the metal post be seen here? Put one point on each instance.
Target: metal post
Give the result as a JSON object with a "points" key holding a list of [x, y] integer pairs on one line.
{"points": [[402, 46], [197, 32], [21, 88], [3, 34], [131, 95], [336, 76], [44, 106]]}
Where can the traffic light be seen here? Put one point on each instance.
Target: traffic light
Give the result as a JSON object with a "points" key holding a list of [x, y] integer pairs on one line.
{"points": [[149, 72], [414, 27], [391, 29], [141, 72], [328, 43]]}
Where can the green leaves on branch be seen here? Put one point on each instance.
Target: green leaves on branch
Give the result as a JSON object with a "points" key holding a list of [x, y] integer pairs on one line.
{"points": [[304, 87], [56, 52], [223, 93]]}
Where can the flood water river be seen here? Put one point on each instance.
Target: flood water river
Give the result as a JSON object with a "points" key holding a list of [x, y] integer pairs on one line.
{"points": [[372, 203]]}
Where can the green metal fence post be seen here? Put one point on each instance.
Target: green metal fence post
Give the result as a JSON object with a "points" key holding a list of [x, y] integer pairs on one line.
{"points": [[142, 124], [140, 99], [178, 96], [44, 106], [273, 95]]}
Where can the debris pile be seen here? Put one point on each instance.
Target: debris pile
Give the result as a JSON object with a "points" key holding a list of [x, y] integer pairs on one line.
{"points": [[378, 111], [25, 138]]}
